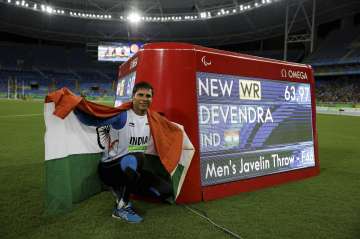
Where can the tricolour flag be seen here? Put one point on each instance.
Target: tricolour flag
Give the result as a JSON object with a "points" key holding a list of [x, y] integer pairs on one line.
{"points": [[72, 152]]}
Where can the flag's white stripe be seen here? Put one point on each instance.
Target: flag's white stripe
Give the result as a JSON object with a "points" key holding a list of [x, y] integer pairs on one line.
{"points": [[64, 137]]}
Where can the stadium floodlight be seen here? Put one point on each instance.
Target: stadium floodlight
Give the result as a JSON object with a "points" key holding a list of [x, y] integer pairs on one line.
{"points": [[134, 17], [49, 9]]}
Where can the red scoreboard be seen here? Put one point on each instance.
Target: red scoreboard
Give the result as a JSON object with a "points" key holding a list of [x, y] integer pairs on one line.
{"points": [[250, 119]]}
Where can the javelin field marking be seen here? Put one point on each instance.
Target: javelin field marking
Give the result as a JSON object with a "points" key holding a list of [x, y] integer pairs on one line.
{"points": [[25, 115]]}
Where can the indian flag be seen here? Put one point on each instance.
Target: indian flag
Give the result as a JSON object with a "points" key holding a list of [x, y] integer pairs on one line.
{"points": [[72, 152]]}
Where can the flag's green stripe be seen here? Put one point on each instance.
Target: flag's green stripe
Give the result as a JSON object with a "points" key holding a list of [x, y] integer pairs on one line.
{"points": [[74, 178], [175, 178], [70, 180]]}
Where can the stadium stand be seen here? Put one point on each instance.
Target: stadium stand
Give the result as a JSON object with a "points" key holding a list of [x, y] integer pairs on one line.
{"points": [[37, 69], [336, 48], [343, 89], [336, 63], [340, 47]]}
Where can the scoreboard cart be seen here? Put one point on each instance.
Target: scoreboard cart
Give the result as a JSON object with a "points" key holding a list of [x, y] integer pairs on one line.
{"points": [[251, 119]]}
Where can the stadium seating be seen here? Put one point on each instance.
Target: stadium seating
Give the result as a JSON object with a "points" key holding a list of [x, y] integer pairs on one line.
{"points": [[340, 46], [40, 69]]}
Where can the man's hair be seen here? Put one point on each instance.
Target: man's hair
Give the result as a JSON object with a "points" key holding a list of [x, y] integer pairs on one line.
{"points": [[142, 85]]}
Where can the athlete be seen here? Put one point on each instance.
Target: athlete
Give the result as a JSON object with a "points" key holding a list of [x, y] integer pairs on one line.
{"points": [[130, 145]]}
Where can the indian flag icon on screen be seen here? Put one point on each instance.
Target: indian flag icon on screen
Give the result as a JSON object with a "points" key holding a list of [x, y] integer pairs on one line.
{"points": [[232, 138]]}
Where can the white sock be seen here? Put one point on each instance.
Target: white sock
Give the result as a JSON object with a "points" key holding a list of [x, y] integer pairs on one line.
{"points": [[121, 204]]}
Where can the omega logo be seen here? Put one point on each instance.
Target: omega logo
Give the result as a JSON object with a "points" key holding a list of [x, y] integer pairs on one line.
{"points": [[301, 75]]}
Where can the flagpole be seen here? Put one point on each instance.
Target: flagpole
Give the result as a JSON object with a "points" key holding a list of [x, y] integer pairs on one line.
{"points": [[23, 89], [15, 88], [8, 91]]}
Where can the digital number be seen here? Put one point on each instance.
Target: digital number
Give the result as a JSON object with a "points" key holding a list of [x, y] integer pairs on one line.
{"points": [[290, 93], [301, 94]]}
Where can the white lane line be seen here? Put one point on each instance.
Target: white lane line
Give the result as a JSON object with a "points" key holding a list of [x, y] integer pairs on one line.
{"points": [[25, 115]]}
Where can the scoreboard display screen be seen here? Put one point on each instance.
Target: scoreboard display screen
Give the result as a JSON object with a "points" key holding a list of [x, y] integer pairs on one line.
{"points": [[117, 52], [251, 127]]}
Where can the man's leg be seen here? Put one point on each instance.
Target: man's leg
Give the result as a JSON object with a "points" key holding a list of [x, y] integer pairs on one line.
{"points": [[129, 165], [120, 175], [155, 186]]}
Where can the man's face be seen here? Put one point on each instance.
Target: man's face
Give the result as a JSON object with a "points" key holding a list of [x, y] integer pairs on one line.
{"points": [[142, 100]]}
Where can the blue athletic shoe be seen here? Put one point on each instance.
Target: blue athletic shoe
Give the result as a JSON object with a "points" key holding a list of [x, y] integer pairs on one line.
{"points": [[127, 213]]}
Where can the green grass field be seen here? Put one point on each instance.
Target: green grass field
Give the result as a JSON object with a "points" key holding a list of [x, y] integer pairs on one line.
{"points": [[326, 206]]}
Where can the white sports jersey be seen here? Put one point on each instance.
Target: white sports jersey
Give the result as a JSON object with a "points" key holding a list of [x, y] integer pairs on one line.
{"points": [[135, 136]]}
